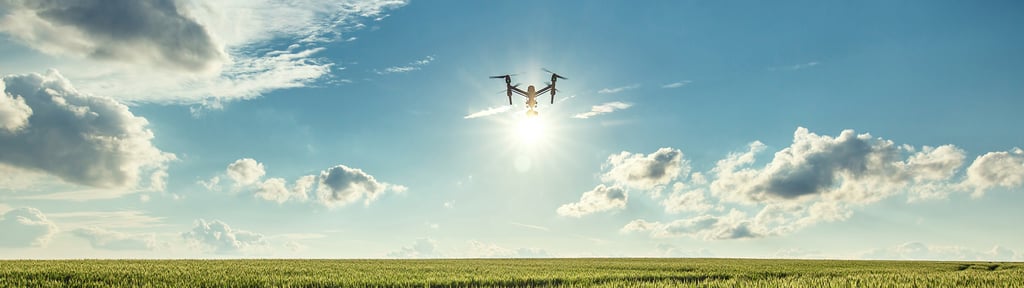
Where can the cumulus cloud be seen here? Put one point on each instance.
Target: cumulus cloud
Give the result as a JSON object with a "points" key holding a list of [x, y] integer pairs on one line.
{"points": [[686, 201], [851, 168], [734, 225], [645, 172], [423, 248], [924, 251], [602, 198], [113, 240], [275, 189], [147, 32], [676, 84], [87, 140], [221, 238], [14, 112], [488, 112], [603, 109], [669, 250], [995, 169], [479, 249], [817, 179], [23, 227], [341, 185], [618, 89], [303, 186], [245, 171], [189, 52], [532, 253], [334, 187]]}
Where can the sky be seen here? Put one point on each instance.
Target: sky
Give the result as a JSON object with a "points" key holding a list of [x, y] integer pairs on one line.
{"points": [[370, 129]]}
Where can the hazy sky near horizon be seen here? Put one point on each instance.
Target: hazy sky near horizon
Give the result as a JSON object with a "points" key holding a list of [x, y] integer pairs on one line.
{"points": [[369, 129]]}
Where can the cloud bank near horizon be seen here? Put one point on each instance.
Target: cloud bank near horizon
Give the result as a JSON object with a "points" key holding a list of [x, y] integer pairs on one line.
{"points": [[817, 179]]}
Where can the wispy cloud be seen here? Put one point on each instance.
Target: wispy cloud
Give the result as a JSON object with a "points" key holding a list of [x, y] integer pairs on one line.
{"points": [[603, 109], [618, 89], [412, 66], [488, 112], [126, 219], [534, 227], [676, 84], [81, 195], [796, 66], [224, 59]]}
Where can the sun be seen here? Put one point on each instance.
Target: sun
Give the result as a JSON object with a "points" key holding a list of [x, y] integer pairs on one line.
{"points": [[530, 130]]}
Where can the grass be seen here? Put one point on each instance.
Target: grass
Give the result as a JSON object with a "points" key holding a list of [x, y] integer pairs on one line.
{"points": [[508, 273]]}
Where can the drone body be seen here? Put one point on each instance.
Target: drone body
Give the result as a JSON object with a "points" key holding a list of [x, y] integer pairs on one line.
{"points": [[531, 92]]}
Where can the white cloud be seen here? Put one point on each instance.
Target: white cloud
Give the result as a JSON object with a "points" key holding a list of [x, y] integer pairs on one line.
{"points": [[86, 140], [797, 66], [14, 112], [618, 89], [302, 187], [669, 250], [412, 66], [532, 253], [189, 52], [923, 251], [245, 171], [686, 201], [213, 184], [676, 84], [112, 240], [341, 185], [995, 169], [334, 187], [850, 168], [149, 32], [798, 253], [602, 198], [734, 225], [817, 179], [123, 219], [534, 227], [488, 112], [646, 172], [219, 237], [23, 227], [423, 248], [603, 109], [273, 189], [294, 246], [736, 160], [479, 249], [785, 218]]}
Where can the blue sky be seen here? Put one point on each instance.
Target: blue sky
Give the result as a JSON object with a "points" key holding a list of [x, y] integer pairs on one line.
{"points": [[369, 129]]}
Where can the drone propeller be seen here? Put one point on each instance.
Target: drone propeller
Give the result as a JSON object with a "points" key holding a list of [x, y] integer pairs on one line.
{"points": [[503, 76], [554, 74]]}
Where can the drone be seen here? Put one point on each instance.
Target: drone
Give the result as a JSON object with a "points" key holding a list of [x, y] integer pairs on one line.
{"points": [[531, 92]]}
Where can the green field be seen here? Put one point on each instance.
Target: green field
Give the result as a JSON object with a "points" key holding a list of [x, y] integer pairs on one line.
{"points": [[509, 273]]}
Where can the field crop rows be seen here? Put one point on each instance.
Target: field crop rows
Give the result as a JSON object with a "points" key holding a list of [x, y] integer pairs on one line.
{"points": [[597, 272]]}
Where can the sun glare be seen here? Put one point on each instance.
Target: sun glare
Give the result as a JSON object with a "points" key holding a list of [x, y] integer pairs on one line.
{"points": [[530, 129]]}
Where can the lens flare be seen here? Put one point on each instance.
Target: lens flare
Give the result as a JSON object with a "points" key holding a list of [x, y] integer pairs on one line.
{"points": [[530, 130]]}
